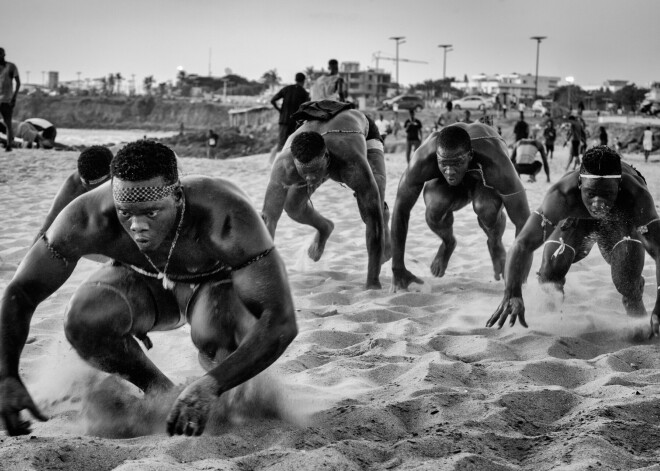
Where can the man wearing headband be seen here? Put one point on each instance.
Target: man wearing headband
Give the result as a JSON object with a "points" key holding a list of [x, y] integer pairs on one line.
{"points": [[93, 171], [346, 148], [185, 251], [459, 164], [605, 202]]}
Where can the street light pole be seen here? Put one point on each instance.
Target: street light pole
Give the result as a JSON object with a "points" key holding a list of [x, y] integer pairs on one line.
{"points": [[447, 48], [538, 40], [399, 40]]}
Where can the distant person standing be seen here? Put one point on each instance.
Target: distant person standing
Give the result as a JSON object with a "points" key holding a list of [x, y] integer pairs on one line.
{"points": [[602, 136], [292, 97], [521, 129], [329, 86], [577, 137], [384, 127], [467, 118], [550, 134], [8, 75], [647, 143], [413, 127], [449, 116], [211, 143]]}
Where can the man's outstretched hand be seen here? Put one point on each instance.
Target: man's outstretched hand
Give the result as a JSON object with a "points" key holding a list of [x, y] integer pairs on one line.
{"points": [[510, 306], [192, 408], [402, 278], [13, 399]]}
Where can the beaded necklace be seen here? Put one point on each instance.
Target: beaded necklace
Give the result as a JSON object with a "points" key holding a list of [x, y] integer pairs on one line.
{"points": [[162, 275]]}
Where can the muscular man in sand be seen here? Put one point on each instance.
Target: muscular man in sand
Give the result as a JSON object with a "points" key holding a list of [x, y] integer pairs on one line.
{"points": [[93, 170], [192, 250], [459, 164], [606, 202], [345, 147]]}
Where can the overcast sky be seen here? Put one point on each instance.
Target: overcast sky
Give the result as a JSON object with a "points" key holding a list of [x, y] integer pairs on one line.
{"points": [[591, 40]]}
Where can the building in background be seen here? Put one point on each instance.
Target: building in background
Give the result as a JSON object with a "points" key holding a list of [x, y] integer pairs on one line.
{"points": [[520, 87]]}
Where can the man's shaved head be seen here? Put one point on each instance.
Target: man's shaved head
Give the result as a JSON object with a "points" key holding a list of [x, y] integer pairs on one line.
{"points": [[94, 163]]}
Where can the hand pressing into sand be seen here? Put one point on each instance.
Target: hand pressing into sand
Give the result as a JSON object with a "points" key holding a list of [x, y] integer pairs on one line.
{"points": [[13, 399], [510, 306], [191, 409], [402, 278]]}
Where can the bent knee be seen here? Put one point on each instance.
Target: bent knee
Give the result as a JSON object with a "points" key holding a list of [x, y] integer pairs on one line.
{"points": [[97, 309]]}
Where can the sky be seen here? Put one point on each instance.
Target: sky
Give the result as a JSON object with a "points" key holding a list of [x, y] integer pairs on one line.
{"points": [[590, 40]]}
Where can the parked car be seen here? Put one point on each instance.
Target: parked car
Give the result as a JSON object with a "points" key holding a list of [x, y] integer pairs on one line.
{"points": [[542, 107], [403, 102], [650, 107], [473, 102]]}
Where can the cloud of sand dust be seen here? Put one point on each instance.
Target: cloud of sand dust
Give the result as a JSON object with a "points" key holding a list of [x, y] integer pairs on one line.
{"points": [[91, 402]]}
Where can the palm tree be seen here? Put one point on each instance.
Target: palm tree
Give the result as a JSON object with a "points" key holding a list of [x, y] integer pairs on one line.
{"points": [[111, 84], [118, 79], [148, 83], [270, 78]]}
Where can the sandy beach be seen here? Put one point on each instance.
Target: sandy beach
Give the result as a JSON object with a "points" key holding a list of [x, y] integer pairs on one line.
{"points": [[375, 379]]}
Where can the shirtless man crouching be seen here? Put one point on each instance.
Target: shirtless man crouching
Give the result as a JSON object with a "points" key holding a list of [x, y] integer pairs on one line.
{"points": [[604, 202], [192, 250], [346, 148], [459, 164]]}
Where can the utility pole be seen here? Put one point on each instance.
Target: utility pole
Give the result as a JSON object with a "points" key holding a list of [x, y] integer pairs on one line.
{"points": [[447, 48], [79, 87], [210, 49], [398, 40], [538, 40], [43, 78]]}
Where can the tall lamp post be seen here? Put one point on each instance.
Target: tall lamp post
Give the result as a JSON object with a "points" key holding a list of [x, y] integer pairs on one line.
{"points": [[447, 48], [399, 40], [538, 40]]}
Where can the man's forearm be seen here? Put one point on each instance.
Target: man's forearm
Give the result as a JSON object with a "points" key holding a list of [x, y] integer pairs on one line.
{"points": [[399, 235], [517, 269], [260, 348], [15, 314]]}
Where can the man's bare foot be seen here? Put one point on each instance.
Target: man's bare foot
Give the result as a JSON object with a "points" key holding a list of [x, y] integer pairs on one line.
{"points": [[439, 264], [318, 246]]}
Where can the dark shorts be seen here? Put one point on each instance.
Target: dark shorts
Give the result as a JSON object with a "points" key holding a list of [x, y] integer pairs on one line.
{"points": [[528, 169], [575, 148], [550, 147]]}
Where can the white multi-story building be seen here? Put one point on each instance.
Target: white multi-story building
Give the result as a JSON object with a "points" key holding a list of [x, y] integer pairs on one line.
{"points": [[506, 86]]}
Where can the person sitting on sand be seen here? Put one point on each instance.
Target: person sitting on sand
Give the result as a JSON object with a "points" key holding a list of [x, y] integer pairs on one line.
{"points": [[93, 171], [606, 202], [458, 164], [526, 160], [192, 250], [343, 144], [38, 132]]}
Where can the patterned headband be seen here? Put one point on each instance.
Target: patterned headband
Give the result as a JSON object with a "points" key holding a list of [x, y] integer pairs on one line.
{"points": [[595, 177], [141, 194], [96, 181]]}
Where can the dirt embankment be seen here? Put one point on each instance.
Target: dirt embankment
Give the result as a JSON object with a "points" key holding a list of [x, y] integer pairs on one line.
{"points": [[150, 113], [143, 112]]}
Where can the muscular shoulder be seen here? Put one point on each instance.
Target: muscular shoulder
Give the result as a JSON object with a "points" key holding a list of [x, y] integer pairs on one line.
{"points": [[424, 163], [226, 217], [87, 223]]}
